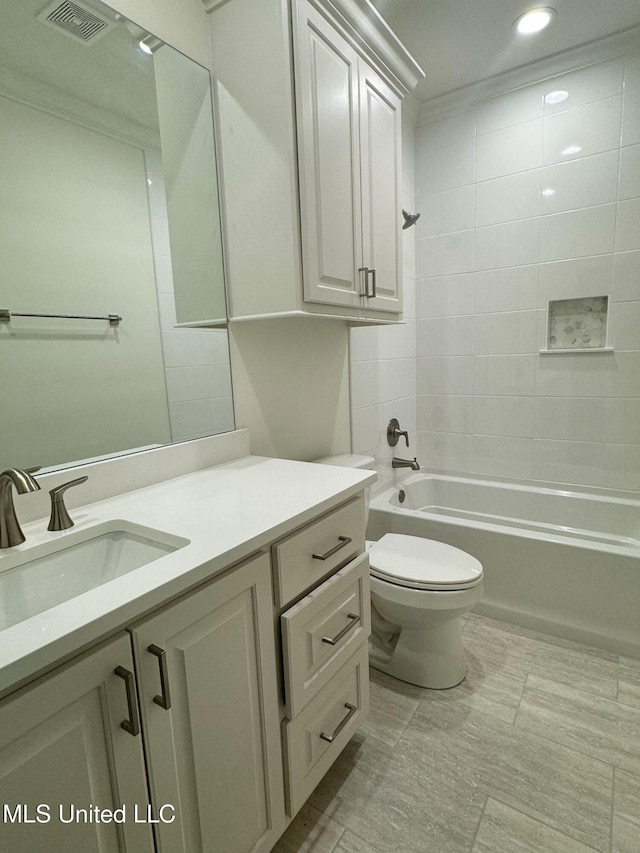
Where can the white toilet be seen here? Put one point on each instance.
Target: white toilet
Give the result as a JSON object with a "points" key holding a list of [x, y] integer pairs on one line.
{"points": [[419, 590]]}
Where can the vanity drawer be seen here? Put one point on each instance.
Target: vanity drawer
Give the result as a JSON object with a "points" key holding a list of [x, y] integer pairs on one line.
{"points": [[315, 738], [322, 630], [306, 557]]}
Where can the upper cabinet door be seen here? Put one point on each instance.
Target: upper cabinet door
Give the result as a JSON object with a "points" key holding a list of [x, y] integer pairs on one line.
{"points": [[380, 158], [329, 161]]}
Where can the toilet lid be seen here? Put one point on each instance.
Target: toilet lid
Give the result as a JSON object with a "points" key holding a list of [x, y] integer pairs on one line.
{"points": [[422, 563]]}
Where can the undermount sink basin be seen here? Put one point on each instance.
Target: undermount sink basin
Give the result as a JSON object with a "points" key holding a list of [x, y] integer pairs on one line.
{"points": [[35, 579]]}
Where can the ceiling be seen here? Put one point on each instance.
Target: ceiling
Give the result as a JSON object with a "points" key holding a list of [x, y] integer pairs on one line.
{"points": [[459, 42], [111, 74]]}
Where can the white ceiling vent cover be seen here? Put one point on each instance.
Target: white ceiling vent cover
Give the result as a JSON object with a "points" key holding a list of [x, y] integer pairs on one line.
{"points": [[76, 20]]}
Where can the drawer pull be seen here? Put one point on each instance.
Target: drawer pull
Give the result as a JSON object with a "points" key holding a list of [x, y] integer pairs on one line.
{"points": [[132, 725], [330, 738], [342, 541], [354, 619], [164, 700]]}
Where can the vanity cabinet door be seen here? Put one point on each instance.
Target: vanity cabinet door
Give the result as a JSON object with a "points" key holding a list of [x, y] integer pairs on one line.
{"points": [[62, 749], [208, 695]]}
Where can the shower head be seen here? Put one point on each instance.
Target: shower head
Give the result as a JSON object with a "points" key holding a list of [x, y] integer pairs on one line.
{"points": [[409, 219]]}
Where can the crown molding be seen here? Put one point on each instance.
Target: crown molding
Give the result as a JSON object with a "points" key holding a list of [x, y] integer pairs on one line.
{"points": [[592, 53], [361, 23], [373, 37]]}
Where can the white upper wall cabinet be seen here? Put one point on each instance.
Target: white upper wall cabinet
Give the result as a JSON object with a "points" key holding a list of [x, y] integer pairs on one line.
{"points": [[309, 96], [349, 154]]}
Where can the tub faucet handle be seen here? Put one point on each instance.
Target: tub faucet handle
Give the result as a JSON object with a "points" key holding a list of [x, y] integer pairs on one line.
{"points": [[394, 432], [60, 518]]}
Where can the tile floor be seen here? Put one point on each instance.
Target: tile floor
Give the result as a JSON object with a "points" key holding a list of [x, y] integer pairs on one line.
{"points": [[537, 750]]}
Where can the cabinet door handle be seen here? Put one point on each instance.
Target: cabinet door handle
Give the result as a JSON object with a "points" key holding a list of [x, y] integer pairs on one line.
{"points": [[342, 541], [132, 725], [164, 698], [354, 619], [330, 738], [364, 280], [374, 291]]}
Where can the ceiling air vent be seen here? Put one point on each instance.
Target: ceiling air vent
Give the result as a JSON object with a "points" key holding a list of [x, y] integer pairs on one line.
{"points": [[76, 20]]}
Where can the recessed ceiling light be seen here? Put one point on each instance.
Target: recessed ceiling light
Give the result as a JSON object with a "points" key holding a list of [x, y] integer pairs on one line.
{"points": [[556, 97], [534, 20]]}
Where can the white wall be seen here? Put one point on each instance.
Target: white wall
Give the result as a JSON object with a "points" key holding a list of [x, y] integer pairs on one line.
{"points": [[291, 386], [383, 358], [76, 242], [493, 249]]}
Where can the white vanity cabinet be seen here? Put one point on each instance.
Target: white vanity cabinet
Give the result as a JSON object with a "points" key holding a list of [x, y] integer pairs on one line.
{"points": [[206, 724], [324, 643], [208, 698], [309, 95], [63, 747]]}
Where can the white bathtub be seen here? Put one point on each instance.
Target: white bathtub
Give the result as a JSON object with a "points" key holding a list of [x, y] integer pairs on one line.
{"points": [[565, 562]]}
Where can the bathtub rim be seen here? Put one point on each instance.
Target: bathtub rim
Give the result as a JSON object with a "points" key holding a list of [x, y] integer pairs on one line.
{"points": [[626, 546]]}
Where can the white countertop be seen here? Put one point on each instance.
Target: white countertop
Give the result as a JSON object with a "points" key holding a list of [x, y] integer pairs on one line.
{"points": [[227, 513]]}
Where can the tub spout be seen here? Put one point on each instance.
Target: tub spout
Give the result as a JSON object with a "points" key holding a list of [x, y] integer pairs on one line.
{"points": [[405, 463]]}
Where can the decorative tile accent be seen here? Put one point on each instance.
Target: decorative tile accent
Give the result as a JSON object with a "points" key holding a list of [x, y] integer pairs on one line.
{"points": [[578, 323]]}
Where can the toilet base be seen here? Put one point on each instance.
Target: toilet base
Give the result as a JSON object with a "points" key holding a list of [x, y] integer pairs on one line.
{"points": [[430, 657]]}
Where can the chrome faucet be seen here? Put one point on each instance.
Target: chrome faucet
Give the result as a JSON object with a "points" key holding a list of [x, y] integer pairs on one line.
{"points": [[10, 531], [405, 463]]}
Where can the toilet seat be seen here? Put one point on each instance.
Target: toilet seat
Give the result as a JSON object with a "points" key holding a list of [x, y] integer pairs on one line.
{"points": [[417, 563]]}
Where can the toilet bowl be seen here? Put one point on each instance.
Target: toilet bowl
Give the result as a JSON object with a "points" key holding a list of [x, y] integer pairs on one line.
{"points": [[419, 590]]}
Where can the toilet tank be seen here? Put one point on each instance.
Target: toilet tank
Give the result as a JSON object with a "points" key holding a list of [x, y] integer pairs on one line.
{"points": [[353, 460]]}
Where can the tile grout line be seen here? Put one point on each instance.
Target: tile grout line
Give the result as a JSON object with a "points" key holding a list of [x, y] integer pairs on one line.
{"points": [[524, 687], [340, 837], [543, 823], [613, 807], [475, 837]]}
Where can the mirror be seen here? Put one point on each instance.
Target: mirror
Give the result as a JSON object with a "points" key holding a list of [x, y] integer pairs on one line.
{"points": [[109, 209]]}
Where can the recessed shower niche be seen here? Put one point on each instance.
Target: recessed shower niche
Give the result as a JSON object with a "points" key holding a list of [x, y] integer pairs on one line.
{"points": [[578, 325]]}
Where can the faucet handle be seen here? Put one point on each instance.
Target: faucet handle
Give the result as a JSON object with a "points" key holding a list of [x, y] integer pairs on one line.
{"points": [[60, 518], [394, 432]]}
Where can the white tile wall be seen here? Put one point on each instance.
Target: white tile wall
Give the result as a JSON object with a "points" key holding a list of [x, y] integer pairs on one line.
{"points": [[626, 275], [512, 149], [516, 196], [586, 86], [464, 374], [585, 130], [509, 289], [591, 276], [493, 248], [579, 184], [447, 296], [578, 233], [197, 369], [510, 244]]}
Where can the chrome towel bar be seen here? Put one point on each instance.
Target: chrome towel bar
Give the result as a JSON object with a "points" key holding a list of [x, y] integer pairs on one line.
{"points": [[6, 315]]}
